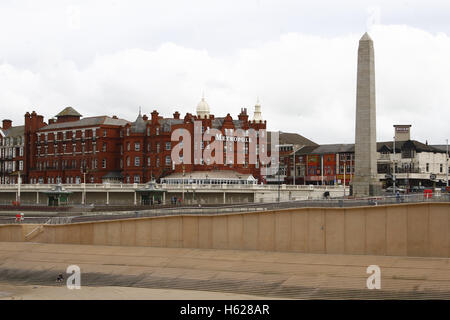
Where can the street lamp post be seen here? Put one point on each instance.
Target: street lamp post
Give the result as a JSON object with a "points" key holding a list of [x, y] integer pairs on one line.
{"points": [[446, 162], [293, 180], [182, 197], [345, 164], [393, 168], [84, 171], [295, 150], [19, 180], [279, 184]]}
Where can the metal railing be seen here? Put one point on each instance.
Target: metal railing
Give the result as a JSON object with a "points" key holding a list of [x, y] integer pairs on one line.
{"points": [[193, 186], [238, 208]]}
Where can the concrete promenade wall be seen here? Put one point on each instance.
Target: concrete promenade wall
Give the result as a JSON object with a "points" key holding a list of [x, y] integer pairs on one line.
{"points": [[397, 230]]}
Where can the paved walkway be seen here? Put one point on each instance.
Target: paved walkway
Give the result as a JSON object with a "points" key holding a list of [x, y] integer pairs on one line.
{"points": [[256, 273]]}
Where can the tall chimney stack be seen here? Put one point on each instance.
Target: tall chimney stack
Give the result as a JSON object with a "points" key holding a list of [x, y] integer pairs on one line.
{"points": [[6, 124]]}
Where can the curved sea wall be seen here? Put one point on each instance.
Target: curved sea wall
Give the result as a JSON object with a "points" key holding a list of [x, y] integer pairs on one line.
{"points": [[396, 230]]}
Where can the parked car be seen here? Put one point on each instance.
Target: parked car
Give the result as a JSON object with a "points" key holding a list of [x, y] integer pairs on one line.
{"points": [[391, 189], [418, 189]]}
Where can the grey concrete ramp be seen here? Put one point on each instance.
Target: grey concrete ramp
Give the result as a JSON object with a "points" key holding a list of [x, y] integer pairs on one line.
{"points": [[256, 273]]}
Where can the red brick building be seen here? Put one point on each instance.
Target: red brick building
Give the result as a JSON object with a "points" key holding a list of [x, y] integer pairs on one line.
{"points": [[324, 164], [147, 146], [71, 149]]}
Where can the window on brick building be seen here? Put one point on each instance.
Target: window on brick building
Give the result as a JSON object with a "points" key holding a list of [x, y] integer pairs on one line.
{"points": [[168, 145], [137, 146], [137, 179], [168, 161], [148, 161], [157, 148], [128, 146], [104, 147], [128, 161], [137, 161], [104, 163]]}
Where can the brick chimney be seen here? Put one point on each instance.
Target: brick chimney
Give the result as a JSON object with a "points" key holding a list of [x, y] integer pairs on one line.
{"points": [[154, 116], [6, 124], [176, 115], [243, 116], [145, 117]]}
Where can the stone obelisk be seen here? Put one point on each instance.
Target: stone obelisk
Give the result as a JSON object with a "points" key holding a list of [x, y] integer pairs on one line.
{"points": [[365, 182]]}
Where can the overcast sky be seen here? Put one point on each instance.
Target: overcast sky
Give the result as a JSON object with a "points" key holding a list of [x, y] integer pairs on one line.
{"points": [[298, 57]]}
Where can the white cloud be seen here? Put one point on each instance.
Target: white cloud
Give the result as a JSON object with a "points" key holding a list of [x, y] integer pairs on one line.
{"points": [[306, 83]]}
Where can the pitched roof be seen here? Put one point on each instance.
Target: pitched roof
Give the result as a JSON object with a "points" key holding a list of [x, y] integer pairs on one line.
{"points": [[305, 150], [14, 131], [69, 111], [292, 138], [86, 122], [442, 147], [334, 148], [419, 146], [350, 148]]}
